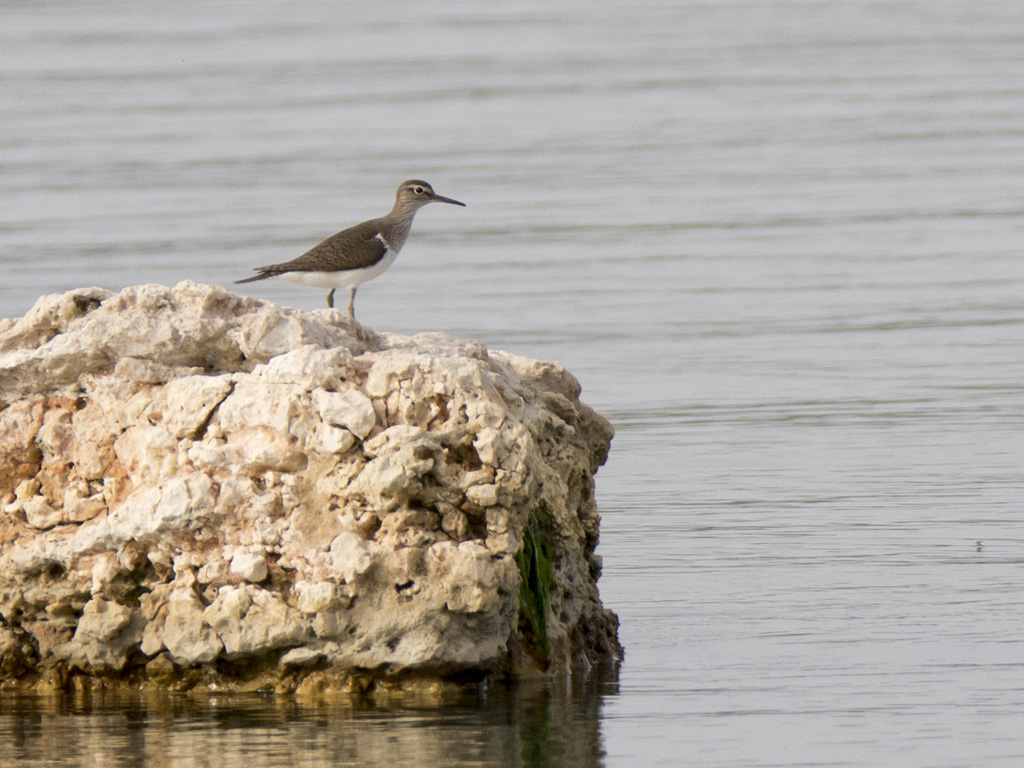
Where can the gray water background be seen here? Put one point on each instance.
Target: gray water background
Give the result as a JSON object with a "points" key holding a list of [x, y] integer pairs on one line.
{"points": [[779, 243]]}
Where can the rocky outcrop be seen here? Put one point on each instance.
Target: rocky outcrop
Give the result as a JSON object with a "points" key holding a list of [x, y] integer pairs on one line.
{"points": [[199, 489]]}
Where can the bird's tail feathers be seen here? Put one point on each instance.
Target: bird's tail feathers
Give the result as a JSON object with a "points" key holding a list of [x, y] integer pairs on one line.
{"points": [[263, 275]]}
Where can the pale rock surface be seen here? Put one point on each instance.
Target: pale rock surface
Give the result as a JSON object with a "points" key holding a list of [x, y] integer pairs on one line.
{"points": [[203, 489]]}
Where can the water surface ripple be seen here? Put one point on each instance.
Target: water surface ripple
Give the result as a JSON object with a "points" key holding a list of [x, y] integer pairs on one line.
{"points": [[779, 244]]}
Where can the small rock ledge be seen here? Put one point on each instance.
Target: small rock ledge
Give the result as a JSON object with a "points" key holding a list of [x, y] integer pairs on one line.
{"points": [[199, 490]]}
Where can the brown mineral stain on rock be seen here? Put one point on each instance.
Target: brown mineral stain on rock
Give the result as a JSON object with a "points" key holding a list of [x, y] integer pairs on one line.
{"points": [[20, 456]]}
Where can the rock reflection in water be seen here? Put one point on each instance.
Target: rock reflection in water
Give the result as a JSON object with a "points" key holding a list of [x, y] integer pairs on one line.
{"points": [[529, 726]]}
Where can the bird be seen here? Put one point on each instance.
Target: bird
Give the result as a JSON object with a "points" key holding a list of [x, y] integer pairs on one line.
{"points": [[360, 253]]}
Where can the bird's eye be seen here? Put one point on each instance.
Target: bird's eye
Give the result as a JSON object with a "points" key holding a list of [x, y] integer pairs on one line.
{"points": [[418, 190]]}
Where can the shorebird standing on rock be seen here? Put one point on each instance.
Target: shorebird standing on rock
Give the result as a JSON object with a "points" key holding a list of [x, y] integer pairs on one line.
{"points": [[359, 253]]}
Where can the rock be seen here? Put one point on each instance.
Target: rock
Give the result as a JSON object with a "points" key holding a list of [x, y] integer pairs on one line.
{"points": [[250, 566], [107, 631], [350, 409], [202, 489], [185, 633], [302, 657], [41, 515], [251, 621]]}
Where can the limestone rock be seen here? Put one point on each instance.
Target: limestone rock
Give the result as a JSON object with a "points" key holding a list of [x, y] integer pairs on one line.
{"points": [[185, 634], [107, 631], [250, 566], [197, 488]]}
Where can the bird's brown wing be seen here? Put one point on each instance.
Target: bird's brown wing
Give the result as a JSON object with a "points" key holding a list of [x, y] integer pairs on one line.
{"points": [[352, 248]]}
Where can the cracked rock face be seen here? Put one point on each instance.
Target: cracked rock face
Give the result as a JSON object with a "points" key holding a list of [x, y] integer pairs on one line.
{"points": [[203, 489]]}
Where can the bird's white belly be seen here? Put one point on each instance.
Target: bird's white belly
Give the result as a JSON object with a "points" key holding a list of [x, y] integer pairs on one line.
{"points": [[342, 278]]}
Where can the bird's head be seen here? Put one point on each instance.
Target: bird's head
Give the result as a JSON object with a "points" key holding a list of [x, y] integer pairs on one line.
{"points": [[414, 193]]}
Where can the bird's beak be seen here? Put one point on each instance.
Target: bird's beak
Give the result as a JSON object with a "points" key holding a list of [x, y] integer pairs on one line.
{"points": [[438, 199]]}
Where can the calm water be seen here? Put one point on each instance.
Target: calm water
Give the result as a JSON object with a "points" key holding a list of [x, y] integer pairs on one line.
{"points": [[779, 243]]}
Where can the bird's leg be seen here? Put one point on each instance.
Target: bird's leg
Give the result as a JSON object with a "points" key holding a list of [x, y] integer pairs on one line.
{"points": [[330, 299], [352, 302]]}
